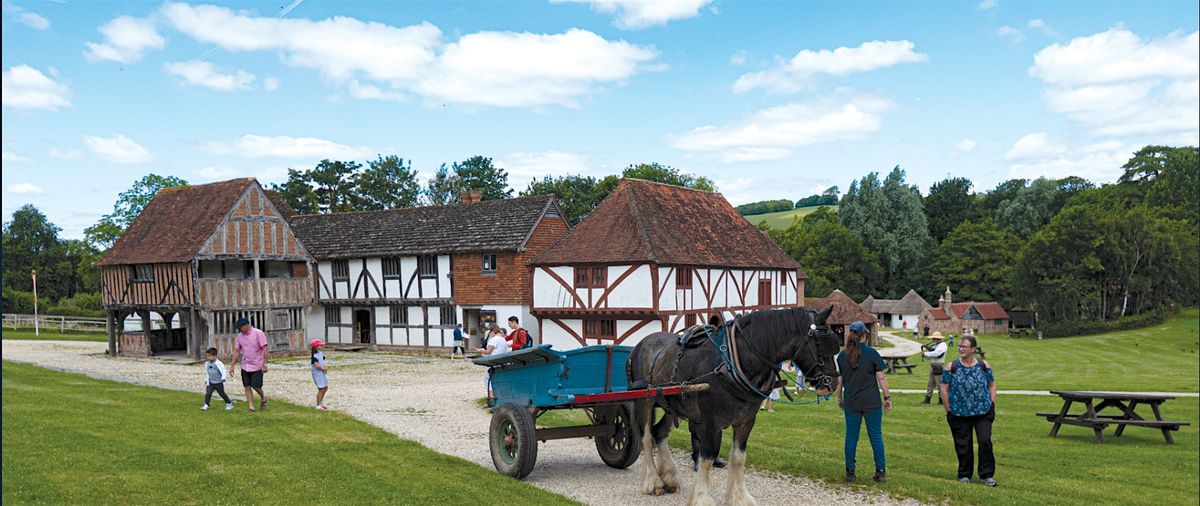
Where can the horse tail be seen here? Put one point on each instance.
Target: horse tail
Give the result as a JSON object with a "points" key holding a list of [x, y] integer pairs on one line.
{"points": [[630, 367]]}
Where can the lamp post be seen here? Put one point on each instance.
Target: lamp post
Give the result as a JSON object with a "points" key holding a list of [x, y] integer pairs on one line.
{"points": [[33, 273]]}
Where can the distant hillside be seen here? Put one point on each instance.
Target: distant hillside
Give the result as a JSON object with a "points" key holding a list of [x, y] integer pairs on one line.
{"points": [[782, 219]]}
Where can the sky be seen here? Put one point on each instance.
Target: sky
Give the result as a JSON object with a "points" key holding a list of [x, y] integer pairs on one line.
{"points": [[769, 99]]}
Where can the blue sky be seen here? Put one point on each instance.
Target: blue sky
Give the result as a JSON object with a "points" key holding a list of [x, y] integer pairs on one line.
{"points": [[769, 99]]}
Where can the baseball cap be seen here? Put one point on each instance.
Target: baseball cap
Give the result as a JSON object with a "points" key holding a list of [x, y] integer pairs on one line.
{"points": [[858, 326], [316, 342]]}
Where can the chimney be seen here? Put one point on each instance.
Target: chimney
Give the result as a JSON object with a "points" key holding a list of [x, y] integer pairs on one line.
{"points": [[945, 300], [470, 197]]}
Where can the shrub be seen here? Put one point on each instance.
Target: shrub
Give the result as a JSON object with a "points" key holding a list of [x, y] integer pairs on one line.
{"points": [[82, 304], [18, 302], [1083, 328]]}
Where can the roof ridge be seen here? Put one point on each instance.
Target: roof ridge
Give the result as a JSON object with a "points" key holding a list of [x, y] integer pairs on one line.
{"points": [[439, 206], [640, 180], [641, 224]]}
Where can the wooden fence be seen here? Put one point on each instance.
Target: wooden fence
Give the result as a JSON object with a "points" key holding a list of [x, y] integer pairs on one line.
{"points": [[62, 324]]}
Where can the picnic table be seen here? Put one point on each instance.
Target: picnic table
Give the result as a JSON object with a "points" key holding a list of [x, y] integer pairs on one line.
{"points": [[898, 362], [1125, 402]]}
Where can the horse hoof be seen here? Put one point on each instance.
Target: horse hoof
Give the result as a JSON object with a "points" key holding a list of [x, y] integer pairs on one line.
{"points": [[658, 491], [671, 490]]}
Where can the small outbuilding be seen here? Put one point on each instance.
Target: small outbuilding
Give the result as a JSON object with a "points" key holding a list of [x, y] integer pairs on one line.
{"points": [[845, 311]]}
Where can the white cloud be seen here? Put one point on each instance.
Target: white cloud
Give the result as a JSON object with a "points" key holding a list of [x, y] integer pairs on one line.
{"points": [[117, 149], [1035, 145], [271, 83], [24, 188], [987, 4], [25, 87], [64, 154], [224, 172], [254, 146], [525, 167], [204, 74], [30, 19], [738, 58], [125, 40], [378, 61], [791, 76], [773, 133], [1010, 32], [13, 157], [638, 14], [1100, 162], [965, 145]]}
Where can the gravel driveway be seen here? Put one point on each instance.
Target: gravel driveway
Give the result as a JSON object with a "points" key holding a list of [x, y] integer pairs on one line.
{"points": [[433, 402]]}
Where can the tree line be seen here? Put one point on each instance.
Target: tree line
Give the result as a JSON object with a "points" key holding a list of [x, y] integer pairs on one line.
{"points": [[829, 197], [1071, 250]]}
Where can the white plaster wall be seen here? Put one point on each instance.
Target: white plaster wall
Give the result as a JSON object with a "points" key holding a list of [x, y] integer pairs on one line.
{"points": [[375, 269], [549, 293], [636, 290], [667, 299], [316, 322], [382, 319]]}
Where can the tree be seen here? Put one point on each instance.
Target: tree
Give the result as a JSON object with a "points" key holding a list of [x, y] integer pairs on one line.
{"points": [[949, 204], [387, 183], [668, 175], [30, 242], [576, 195], [832, 256], [891, 222], [1028, 210], [1059, 270], [478, 174], [829, 197], [1169, 178], [764, 207], [298, 192], [444, 188], [1003, 192], [333, 184], [127, 208], [976, 259]]}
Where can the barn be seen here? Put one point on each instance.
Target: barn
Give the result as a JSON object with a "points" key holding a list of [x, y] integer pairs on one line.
{"points": [[202, 256], [654, 257]]}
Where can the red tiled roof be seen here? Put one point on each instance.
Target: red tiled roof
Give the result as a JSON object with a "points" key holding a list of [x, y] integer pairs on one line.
{"points": [[958, 309], [175, 224], [642, 221], [991, 311], [845, 310], [938, 314]]}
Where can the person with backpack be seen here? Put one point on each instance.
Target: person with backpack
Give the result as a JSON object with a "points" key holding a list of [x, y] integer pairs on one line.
{"points": [[969, 395], [517, 338]]}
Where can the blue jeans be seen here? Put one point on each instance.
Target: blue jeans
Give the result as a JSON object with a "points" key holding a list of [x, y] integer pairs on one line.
{"points": [[854, 421]]}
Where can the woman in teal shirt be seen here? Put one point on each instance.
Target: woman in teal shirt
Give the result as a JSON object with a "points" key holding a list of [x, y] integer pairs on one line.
{"points": [[969, 395]]}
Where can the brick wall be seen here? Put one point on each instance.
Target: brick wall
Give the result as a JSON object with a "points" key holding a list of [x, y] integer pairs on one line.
{"points": [[133, 344], [510, 283]]}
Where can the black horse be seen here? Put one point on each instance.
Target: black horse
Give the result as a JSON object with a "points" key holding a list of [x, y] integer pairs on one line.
{"points": [[740, 367]]}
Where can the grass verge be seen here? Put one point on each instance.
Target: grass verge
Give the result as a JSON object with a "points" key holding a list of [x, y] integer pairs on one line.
{"points": [[28, 335]]}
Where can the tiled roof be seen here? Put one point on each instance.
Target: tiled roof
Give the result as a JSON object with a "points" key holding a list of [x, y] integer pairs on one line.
{"points": [[911, 303], [281, 204], [642, 221], [957, 309], [175, 224], [845, 310], [938, 314], [991, 311], [491, 225]]}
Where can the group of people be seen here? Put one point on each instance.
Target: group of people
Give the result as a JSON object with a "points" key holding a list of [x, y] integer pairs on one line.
{"points": [[252, 348], [498, 341], [966, 390]]}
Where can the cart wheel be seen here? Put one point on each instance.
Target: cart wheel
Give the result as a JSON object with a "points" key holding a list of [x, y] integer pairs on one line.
{"points": [[513, 442], [621, 449]]}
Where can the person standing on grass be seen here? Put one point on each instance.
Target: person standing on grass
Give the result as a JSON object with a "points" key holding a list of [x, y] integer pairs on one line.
{"points": [[936, 355], [319, 370], [857, 393], [214, 379], [458, 342], [251, 344], [969, 395]]}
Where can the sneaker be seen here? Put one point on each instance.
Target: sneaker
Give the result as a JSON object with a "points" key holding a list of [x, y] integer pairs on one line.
{"points": [[991, 482], [204, 407], [926, 401], [850, 476], [323, 407], [880, 476], [964, 480], [262, 405], [228, 406]]}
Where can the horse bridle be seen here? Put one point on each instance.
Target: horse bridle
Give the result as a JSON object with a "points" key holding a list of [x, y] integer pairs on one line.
{"points": [[812, 346]]}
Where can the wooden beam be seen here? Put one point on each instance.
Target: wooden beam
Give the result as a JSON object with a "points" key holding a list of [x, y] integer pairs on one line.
{"points": [[109, 322]]}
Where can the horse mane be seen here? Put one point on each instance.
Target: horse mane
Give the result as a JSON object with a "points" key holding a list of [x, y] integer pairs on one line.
{"points": [[774, 322]]}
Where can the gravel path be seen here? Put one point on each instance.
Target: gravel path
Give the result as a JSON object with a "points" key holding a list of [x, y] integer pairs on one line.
{"points": [[433, 402]]}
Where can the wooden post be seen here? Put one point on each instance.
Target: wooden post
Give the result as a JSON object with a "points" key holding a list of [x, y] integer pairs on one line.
{"points": [[111, 323], [146, 332], [194, 350]]}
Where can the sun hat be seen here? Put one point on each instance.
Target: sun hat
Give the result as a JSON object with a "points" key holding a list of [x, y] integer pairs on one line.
{"points": [[936, 335], [316, 342], [858, 327], [240, 321]]}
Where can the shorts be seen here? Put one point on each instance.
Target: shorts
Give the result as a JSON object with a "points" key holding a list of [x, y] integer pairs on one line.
{"points": [[252, 379]]}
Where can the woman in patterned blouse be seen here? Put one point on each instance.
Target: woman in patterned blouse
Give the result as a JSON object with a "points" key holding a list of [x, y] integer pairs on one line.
{"points": [[969, 395]]}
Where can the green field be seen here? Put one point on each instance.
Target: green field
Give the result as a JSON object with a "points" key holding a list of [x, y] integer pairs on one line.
{"points": [[27, 335], [1160, 358], [783, 219], [70, 439]]}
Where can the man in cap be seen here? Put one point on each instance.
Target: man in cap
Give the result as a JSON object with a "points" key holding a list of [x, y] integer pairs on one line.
{"points": [[251, 345], [936, 355]]}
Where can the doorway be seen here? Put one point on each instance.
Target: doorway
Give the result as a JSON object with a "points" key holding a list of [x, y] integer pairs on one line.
{"points": [[362, 326]]}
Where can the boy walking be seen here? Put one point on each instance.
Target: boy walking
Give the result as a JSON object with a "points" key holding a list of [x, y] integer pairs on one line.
{"points": [[215, 375]]}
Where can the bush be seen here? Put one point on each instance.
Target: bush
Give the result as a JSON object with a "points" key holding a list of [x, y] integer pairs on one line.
{"points": [[18, 302], [1083, 328], [82, 304]]}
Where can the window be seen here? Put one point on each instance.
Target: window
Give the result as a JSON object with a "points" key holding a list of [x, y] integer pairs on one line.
{"points": [[222, 321], [783, 278], [489, 264], [997, 321], [341, 270], [427, 266], [591, 277], [391, 268], [333, 314], [553, 213], [599, 329], [143, 274], [582, 275], [446, 315], [764, 292], [275, 269], [599, 277], [398, 315], [683, 277], [689, 320]]}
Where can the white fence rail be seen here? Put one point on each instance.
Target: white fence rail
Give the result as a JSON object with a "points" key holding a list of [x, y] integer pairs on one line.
{"points": [[77, 323]]}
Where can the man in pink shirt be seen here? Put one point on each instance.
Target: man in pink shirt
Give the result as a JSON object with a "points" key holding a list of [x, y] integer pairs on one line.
{"points": [[251, 344]]}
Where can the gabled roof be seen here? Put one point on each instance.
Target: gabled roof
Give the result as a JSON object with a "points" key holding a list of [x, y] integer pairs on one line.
{"points": [[959, 308], [911, 303], [281, 204], [176, 222], [845, 310], [991, 310], [938, 314], [642, 221], [490, 225]]}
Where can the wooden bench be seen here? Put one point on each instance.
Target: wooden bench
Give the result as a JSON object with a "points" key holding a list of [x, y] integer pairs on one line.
{"points": [[894, 363], [1126, 402]]}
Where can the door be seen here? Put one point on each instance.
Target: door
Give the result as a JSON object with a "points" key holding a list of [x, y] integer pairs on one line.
{"points": [[362, 326]]}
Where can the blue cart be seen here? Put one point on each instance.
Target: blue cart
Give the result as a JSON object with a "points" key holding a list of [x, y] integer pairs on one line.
{"points": [[530, 382]]}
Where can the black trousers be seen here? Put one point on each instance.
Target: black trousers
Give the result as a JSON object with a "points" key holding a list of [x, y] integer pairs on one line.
{"points": [[962, 427], [220, 388]]}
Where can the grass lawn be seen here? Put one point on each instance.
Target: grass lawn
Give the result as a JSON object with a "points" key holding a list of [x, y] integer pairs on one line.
{"points": [[1137, 468], [782, 219], [27, 335], [70, 439], [1157, 358]]}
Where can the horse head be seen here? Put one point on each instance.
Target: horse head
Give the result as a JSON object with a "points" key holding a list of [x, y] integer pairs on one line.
{"points": [[815, 355]]}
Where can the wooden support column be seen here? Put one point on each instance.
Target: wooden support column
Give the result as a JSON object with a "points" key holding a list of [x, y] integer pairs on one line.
{"points": [[110, 322], [146, 332], [193, 342]]}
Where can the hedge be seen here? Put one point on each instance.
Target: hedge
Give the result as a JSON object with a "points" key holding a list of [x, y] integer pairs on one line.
{"points": [[1083, 328]]}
